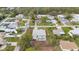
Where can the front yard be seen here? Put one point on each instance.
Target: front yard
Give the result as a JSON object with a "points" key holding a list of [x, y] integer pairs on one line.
{"points": [[9, 48], [11, 39], [66, 29]]}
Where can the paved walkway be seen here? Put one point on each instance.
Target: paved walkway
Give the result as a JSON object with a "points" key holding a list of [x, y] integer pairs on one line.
{"points": [[17, 48]]}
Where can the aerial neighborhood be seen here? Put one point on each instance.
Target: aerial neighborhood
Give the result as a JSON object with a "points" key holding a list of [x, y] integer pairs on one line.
{"points": [[40, 32]]}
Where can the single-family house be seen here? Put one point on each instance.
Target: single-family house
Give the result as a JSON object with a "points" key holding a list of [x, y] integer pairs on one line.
{"points": [[20, 16], [58, 32], [50, 17], [10, 30], [68, 46], [13, 25], [39, 16], [75, 20], [75, 31], [64, 21], [53, 21], [61, 16], [75, 16], [39, 35]]}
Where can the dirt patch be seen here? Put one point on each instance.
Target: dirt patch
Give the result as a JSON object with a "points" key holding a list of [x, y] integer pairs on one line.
{"points": [[42, 45]]}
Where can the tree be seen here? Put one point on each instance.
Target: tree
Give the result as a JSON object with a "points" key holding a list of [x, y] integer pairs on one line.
{"points": [[69, 17], [24, 42]]}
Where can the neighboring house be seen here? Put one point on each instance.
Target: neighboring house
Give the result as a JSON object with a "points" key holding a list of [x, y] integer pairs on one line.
{"points": [[64, 21], [61, 16], [51, 21], [10, 30], [68, 46], [75, 31], [75, 16], [13, 25], [58, 32], [50, 17], [75, 20], [9, 25], [39, 16], [38, 21], [39, 34], [20, 16]]}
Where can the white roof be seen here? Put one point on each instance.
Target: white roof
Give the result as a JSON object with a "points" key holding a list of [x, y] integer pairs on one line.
{"points": [[60, 15], [58, 32], [10, 30], [53, 21], [12, 25], [2, 28], [75, 31], [39, 32], [76, 16], [75, 20], [20, 15]]}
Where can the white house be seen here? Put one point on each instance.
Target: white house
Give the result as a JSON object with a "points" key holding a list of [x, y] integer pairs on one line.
{"points": [[10, 30], [39, 34], [53, 21], [50, 17], [74, 32], [13, 25], [20, 16], [61, 16], [75, 20], [68, 46], [58, 32], [75, 16]]}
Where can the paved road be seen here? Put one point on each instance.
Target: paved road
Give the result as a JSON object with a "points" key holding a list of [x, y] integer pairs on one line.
{"points": [[55, 26]]}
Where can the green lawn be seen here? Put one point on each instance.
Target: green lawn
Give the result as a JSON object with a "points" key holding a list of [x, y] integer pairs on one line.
{"points": [[66, 29], [9, 48], [76, 39], [46, 24], [19, 31], [11, 39], [32, 23], [22, 23], [51, 38], [30, 49]]}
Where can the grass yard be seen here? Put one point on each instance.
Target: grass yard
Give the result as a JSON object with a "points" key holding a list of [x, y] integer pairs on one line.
{"points": [[75, 23], [45, 24], [66, 29], [19, 31], [76, 39], [11, 39], [9, 48], [52, 40], [30, 49], [32, 23], [22, 23]]}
